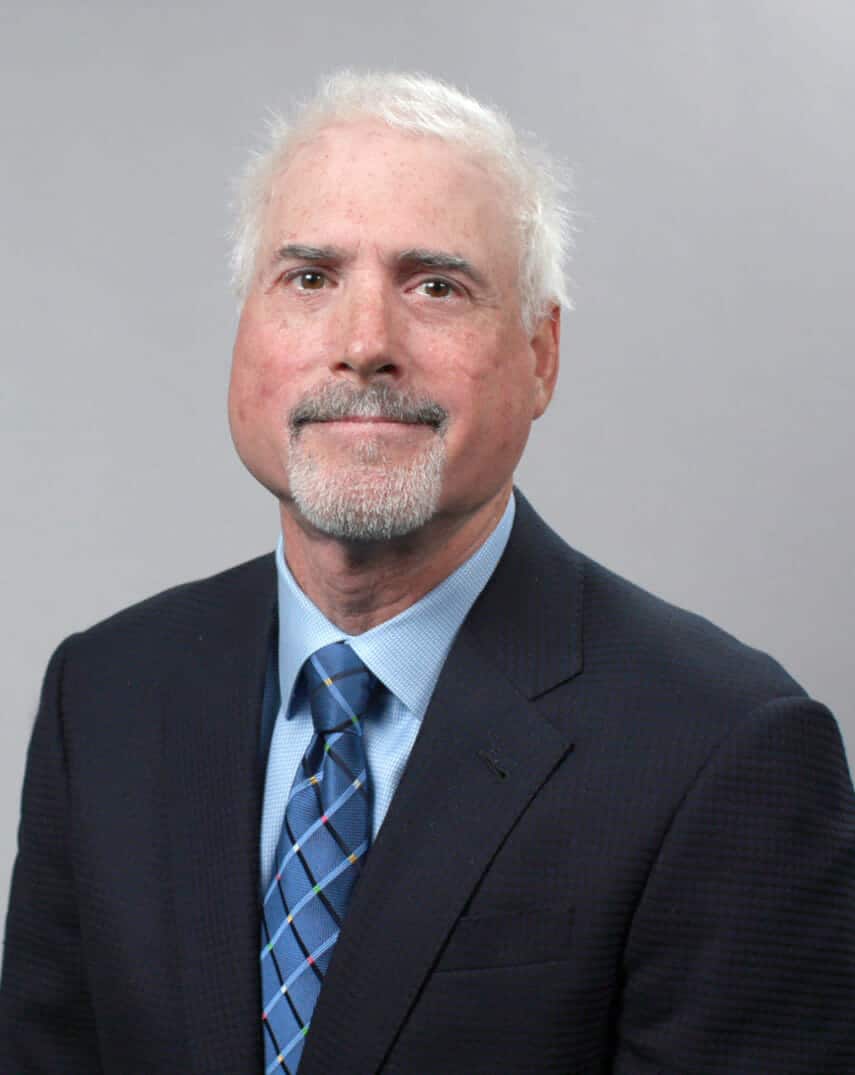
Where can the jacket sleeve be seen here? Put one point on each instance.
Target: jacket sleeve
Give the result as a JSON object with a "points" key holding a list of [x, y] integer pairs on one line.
{"points": [[46, 1018], [741, 956]]}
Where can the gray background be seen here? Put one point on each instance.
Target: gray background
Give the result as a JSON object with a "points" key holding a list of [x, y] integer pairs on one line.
{"points": [[700, 442]]}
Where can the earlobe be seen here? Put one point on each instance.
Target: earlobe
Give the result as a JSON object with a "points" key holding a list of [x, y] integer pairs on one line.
{"points": [[545, 349]]}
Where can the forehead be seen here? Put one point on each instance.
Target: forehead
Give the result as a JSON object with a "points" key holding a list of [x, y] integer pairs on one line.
{"points": [[366, 182]]}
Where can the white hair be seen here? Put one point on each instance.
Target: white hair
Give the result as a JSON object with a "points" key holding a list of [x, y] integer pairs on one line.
{"points": [[538, 189]]}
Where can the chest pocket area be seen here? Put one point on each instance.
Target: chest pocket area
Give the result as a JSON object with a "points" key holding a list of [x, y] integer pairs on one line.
{"points": [[509, 939]]}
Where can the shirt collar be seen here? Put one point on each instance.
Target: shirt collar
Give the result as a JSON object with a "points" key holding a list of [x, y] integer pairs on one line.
{"points": [[407, 652]]}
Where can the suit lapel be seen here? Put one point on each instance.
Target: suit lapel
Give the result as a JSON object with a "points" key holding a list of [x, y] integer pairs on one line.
{"points": [[483, 752], [214, 781]]}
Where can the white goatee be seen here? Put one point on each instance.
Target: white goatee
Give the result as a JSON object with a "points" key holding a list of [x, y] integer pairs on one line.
{"points": [[368, 497]]}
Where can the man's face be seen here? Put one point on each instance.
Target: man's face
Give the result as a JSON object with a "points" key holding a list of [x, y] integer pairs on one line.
{"points": [[381, 371]]}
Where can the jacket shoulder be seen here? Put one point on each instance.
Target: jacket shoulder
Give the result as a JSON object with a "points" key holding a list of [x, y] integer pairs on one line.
{"points": [[638, 651], [661, 647], [220, 605]]}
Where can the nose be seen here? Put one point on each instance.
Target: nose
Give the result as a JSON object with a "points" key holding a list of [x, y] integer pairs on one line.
{"points": [[369, 337]]}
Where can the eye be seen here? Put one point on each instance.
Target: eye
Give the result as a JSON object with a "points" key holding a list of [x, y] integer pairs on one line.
{"points": [[437, 288], [305, 279], [309, 280]]}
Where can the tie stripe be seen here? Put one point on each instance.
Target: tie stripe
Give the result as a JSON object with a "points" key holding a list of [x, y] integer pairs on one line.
{"points": [[325, 835]]}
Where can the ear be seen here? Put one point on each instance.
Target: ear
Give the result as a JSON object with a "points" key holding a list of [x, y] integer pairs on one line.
{"points": [[544, 348]]}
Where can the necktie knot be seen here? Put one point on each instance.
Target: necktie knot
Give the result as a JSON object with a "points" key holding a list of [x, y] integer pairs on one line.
{"points": [[339, 687]]}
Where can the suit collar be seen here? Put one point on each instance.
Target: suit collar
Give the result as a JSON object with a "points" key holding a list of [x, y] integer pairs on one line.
{"points": [[528, 621]]}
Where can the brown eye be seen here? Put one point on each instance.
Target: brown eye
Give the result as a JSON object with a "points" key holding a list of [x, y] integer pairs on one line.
{"points": [[437, 289], [310, 280]]}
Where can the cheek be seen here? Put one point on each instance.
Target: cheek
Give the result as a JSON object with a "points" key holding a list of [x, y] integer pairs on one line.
{"points": [[500, 392], [489, 425], [258, 377], [478, 361], [506, 415]]}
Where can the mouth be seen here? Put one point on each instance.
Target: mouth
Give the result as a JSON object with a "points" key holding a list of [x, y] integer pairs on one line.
{"points": [[362, 420], [349, 427]]}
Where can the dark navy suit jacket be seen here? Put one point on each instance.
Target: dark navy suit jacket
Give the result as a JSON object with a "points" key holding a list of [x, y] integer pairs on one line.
{"points": [[624, 843]]}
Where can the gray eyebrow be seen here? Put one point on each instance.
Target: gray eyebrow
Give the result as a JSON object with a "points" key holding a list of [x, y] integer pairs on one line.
{"points": [[418, 258], [302, 252]]}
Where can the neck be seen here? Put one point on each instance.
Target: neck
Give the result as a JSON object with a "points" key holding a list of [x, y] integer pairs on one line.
{"points": [[360, 584]]}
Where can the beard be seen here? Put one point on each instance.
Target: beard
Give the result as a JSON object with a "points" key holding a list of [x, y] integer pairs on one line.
{"points": [[369, 496]]}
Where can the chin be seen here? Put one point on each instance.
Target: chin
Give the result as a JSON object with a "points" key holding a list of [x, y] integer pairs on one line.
{"points": [[365, 502]]}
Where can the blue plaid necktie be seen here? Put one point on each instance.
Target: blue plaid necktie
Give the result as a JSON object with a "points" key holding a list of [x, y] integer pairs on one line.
{"points": [[325, 835]]}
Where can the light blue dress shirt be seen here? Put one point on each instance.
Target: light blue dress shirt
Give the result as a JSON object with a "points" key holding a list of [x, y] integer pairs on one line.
{"points": [[406, 653]]}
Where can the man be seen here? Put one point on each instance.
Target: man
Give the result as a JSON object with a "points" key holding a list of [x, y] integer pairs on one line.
{"points": [[428, 792]]}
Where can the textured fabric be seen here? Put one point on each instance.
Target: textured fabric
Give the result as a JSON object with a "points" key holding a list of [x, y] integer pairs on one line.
{"points": [[406, 653], [325, 837], [640, 858]]}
